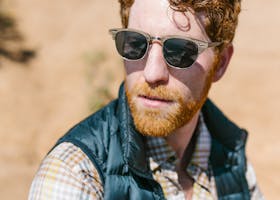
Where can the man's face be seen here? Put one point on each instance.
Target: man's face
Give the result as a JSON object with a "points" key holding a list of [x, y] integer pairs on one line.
{"points": [[163, 99]]}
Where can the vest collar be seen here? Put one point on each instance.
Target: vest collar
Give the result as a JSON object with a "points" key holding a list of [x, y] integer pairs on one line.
{"points": [[133, 142], [222, 129]]}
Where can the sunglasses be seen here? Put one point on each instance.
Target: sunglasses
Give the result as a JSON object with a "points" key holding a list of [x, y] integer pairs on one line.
{"points": [[178, 51]]}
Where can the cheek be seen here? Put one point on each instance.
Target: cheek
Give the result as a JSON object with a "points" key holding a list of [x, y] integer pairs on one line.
{"points": [[192, 81], [134, 66], [129, 68], [133, 73], [189, 77]]}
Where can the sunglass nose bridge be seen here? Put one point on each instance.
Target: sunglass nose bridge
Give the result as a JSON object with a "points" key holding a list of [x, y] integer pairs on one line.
{"points": [[155, 39]]}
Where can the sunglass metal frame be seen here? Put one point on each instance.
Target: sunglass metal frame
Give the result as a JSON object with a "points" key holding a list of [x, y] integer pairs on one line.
{"points": [[201, 45]]}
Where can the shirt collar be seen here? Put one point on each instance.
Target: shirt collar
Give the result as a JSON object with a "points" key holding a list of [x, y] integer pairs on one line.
{"points": [[161, 153]]}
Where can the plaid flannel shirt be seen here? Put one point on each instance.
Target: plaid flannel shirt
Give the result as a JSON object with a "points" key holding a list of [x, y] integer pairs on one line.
{"points": [[67, 173]]}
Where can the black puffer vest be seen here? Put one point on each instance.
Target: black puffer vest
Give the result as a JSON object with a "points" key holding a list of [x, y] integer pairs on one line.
{"points": [[117, 150]]}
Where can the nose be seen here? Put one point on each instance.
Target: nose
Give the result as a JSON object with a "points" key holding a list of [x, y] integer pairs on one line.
{"points": [[156, 70]]}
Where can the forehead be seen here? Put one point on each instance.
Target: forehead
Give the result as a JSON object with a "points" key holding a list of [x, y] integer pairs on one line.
{"points": [[157, 18]]}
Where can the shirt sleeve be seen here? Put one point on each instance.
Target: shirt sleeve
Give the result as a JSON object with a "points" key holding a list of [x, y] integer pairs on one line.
{"points": [[255, 191], [66, 173]]}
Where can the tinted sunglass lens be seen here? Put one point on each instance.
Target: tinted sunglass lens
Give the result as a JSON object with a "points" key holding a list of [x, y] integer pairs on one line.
{"points": [[131, 45], [180, 53]]}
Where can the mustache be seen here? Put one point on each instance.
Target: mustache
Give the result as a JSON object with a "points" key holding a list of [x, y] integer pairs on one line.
{"points": [[160, 92]]}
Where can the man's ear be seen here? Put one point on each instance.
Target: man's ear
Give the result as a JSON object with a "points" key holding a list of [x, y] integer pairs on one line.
{"points": [[225, 57]]}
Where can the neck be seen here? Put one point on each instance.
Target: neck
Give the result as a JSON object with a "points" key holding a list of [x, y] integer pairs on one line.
{"points": [[181, 137]]}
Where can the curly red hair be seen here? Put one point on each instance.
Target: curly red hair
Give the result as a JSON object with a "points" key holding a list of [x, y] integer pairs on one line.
{"points": [[222, 15]]}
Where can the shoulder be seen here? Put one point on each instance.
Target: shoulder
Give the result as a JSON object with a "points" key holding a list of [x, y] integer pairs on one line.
{"points": [[95, 126], [66, 172], [93, 134], [71, 156]]}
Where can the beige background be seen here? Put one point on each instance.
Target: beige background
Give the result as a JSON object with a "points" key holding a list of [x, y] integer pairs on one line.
{"points": [[76, 62]]}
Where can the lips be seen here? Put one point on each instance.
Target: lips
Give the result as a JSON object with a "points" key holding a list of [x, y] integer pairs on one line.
{"points": [[155, 98]]}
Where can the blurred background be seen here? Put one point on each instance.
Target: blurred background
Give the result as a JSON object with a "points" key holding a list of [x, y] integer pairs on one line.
{"points": [[58, 64]]}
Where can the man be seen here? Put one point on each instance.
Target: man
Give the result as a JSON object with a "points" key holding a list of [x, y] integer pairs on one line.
{"points": [[162, 138]]}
